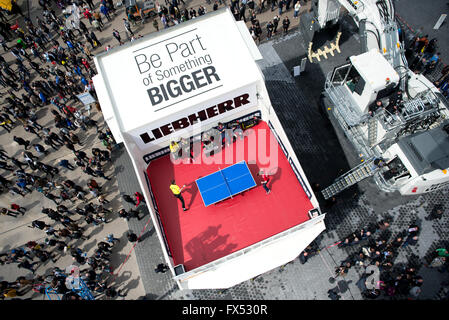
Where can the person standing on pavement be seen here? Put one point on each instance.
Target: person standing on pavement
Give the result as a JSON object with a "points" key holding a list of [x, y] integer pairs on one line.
{"points": [[4, 165], [74, 139], [49, 142], [155, 24], [89, 171], [89, 39], [281, 4], [102, 199], [50, 196], [129, 199], [7, 212], [134, 214], [97, 17], [27, 265], [116, 35], [436, 213], [4, 155], [127, 26], [88, 15], [123, 214], [270, 28], [4, 44], [56, 138], [39, 225], [99, 172], [297, 7], [97, 25], [70, 146], [66, 164], [81, 155], [22, 183], [139, 198], [95, 39], [276, 20], [92, 184], [105, 11], [85, 64], [22, 142], [30, 129], [90, 3], [6, 123], [132, 237], [40, 149], [285, 24], [18, 208]]}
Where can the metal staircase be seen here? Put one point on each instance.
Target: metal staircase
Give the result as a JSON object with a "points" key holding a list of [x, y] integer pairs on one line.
{"points": [[412, 108], [372, 131], [357, 174]]}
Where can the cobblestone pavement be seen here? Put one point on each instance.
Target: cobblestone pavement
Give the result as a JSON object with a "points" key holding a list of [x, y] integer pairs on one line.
{"points": [[323, 154], [323, 158]]}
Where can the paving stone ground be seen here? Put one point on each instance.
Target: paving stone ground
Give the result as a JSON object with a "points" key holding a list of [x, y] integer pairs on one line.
{"points": [[324, 155]]}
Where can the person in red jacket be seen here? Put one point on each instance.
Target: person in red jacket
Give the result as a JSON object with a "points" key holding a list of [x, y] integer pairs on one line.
{"points": [[265, 180], [139, 198], [85, 64], [88, 15]]}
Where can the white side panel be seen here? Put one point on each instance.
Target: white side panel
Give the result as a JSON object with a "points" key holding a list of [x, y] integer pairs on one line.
{"points": [[249, 41], [257, 261], [106, 108], [164, 73]]}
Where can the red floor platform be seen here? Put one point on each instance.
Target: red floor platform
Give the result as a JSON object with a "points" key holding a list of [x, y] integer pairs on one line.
{"points": [[201, 235]]}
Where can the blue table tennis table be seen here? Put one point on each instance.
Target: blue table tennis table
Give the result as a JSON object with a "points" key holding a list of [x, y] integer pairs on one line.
{"points": [[225, 183]]}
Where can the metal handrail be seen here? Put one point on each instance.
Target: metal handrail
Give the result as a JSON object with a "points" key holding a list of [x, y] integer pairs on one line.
{"points": [[384, 184], [355, 137]]}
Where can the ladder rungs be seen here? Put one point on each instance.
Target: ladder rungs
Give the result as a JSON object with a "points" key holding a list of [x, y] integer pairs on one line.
{"points": [[363, 171]]}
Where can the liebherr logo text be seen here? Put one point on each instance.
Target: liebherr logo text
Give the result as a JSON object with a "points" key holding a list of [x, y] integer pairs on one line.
{"points": [[202, 115]]}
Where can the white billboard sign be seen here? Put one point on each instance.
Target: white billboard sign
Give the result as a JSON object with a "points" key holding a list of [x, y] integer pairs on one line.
{"points": [[175, 69]]}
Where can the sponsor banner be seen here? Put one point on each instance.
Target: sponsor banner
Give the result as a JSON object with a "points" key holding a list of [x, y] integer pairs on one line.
{"points": [[210, 112], [196, 138]]}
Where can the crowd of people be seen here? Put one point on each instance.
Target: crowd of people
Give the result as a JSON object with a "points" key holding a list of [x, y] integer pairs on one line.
{"points": [[424, 57], [380, 252], [171, 13], [374, 249], [240, 9], [50, 63]]}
